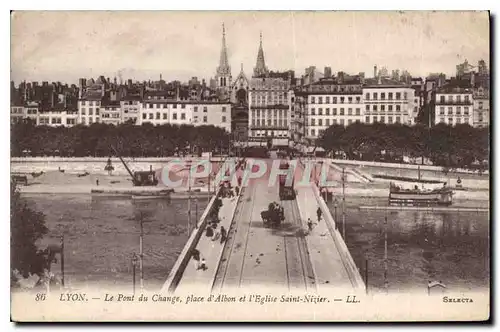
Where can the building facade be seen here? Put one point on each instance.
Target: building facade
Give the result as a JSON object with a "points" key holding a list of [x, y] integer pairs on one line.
{"points": [[454, 104], [389, 103], [481, 116], [159, 112], [332, 101]]}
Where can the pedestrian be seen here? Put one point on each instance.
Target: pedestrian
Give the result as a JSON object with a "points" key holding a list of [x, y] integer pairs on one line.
{"points": [[196, 258], [223, 234], [318, 213], [237, 189], [203, 264], [309, 224], [97, 182]]}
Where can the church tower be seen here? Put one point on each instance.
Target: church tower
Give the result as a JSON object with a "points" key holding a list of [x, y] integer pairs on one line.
{"points": [[260, 67], [223, 75]]}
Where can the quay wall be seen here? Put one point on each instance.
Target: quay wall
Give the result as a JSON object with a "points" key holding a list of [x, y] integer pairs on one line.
{"points": [[93, 165]]}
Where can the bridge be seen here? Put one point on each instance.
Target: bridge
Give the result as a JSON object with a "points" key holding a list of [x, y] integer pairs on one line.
{"points": [[287, 259]]}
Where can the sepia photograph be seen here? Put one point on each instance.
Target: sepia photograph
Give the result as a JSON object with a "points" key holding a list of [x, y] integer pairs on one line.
{"points": [[182, 166]]}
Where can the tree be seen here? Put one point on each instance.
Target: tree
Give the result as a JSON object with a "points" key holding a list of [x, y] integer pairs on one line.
{"points": [[27, 226]]}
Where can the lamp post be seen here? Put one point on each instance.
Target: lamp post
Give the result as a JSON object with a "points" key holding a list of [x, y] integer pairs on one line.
{"points": [[196, 207], [343, 203], [335, 208], [386, 283], [134, 265], [62, 259]]}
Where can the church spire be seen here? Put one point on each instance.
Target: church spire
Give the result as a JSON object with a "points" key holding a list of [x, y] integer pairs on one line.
{"points": [[260, 67], [223, 68]]}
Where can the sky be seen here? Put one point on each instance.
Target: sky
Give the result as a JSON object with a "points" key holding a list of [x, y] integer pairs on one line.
{"points": [[64, 45]]}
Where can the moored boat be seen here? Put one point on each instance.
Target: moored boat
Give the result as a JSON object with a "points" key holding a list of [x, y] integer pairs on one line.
{"points": [[417, 196]]}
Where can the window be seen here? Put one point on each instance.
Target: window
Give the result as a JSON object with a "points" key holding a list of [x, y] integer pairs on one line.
{"points": [[204, 109], [390, 95], [349, 121], [83, 102], [195, 109], [398, 119], [467, 99], [313, 112], [405, 95], [390, 107], [367, 119], [349, 99], [480, 105], [320, 111], [441, 99], [398, 108], [327, 100], [450, 120], [174, 105], [441, 120], [223, 119], [342, 100], [151, 116], [466, 120], [367, 107], [374, 107], [441, 110], [358, 111], [327, 111], [382, 108], [205, 119], [144, 116], [183, 116], [382, 119], [342, 122], [312, 100], [158, 115], [459, 110], [334, 111], [450, 98], [458, 120], [313, 132], [367, 96], [349, 111], [269, 122], [375, 97], [459, 99], [320, 100], [389, 118], [334, 121], [223, 109], [374, 119], [358, 100], [183, 105], [83, 111], [466, 111], [327, 122], [174, 116], [398, 95], [165, 115], [320, 122], [450, 110], [313, 122], [341, 111], [91, 111], [334, 100], [382, 95]]}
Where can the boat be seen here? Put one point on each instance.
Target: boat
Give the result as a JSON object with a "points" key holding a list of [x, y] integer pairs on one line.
{"points": [[420, 197]]}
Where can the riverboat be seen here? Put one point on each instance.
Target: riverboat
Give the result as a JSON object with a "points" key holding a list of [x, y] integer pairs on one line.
{"points": [[420, 197]]}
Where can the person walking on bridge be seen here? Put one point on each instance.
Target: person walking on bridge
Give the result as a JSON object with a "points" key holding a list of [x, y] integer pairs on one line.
{"points": [[309, 224], [318, 213]]}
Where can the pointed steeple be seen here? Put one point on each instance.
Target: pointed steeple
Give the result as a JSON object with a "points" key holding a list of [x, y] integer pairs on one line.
{"points": [[223, 68], [260, 66]]}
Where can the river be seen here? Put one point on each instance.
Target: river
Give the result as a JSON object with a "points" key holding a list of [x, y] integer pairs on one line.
{"points": [[422, 246]]}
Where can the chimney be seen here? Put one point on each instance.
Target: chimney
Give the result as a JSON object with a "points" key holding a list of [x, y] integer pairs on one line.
{"points": [[375, 71], [379, 80], [340, 77], [472, 79], [362, 77], [328, 72]]}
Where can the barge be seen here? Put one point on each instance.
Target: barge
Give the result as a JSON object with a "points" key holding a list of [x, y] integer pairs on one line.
{"points": [[420, 197]]}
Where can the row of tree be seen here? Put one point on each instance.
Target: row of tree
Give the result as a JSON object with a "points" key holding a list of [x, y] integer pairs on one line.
{"points": [[445, 145], [129, 140]]}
